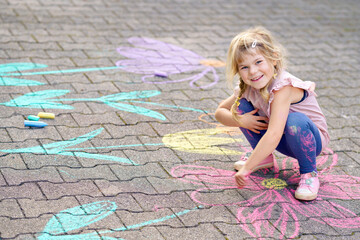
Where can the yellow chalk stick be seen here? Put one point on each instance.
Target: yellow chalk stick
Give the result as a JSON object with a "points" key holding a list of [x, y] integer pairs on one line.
{"points": [[46, 115]]}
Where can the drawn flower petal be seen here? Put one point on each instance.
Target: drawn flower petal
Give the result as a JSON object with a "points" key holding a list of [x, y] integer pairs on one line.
{"points": [[6, 81], [56, 147], [162, 46], [328, 213], [79, 217], [98, 156], [138, 53], [85, 236], [339, 186], [130, 95], [137, 110], [40, 99], [14, 67], [193, 79], [255, 220], [201, 141]]}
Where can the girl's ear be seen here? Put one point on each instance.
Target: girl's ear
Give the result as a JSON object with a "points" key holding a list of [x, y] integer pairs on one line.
{"points": [[274, 62]]}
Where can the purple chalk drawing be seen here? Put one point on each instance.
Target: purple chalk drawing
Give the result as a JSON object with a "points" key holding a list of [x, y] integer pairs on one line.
{"points": [[273, 212], [153, 58]]}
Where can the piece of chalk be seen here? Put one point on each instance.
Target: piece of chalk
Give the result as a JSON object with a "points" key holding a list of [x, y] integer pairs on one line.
{"points": [[46, 115], [37, 124], [160, 74], [33, 118]]}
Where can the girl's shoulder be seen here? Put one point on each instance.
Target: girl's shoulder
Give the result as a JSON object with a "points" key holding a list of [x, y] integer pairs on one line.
{"points": [[286, 79]]}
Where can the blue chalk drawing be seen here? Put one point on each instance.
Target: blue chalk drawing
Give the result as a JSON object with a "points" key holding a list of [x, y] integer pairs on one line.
{"points": [[47, 99], [60, 148], [10, 70], [81, 216]]}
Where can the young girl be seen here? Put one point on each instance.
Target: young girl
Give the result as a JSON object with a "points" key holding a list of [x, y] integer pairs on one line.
{"points": [[273, 109]]}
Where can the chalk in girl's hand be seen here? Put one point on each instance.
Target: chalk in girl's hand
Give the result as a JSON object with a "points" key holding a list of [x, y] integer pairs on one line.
{"points": [[37, 124], [160, 74], [46, 115], [33, 118]]}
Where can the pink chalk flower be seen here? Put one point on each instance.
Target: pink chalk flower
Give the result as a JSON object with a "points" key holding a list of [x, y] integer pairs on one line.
{"points": [[271, 210], [159, 62]]}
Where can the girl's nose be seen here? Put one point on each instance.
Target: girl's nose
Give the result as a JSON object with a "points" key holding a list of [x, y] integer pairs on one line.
{"points": [[253, 69]]}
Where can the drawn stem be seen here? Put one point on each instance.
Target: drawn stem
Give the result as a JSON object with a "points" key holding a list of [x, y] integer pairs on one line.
{"points": [[60, 71]]}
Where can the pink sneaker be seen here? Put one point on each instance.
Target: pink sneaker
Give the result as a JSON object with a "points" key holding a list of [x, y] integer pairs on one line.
{"points": [[266, 163], [308, 187]]}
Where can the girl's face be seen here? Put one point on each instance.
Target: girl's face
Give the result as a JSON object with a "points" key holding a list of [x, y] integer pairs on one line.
{"points": [[255, 70]]}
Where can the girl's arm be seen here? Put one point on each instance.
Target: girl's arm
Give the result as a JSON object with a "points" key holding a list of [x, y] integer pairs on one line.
{"points": [[279, 112], [223, 113], [248, 120]]}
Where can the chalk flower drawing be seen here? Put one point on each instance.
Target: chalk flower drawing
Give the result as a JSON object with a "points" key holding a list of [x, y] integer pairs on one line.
{"points": [[150, 56], [47, 99], [273, 201], [10, 70], [63, 148], [62, 223]]}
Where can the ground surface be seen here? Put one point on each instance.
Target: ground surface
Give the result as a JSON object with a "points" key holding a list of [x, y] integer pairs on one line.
{"points": [[133, 156]]}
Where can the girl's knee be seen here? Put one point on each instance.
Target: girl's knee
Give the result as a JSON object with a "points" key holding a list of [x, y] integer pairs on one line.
{"points": [[245, 106], [296, 122]]}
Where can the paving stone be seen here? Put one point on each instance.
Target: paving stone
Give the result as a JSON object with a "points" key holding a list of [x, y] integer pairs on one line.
{"points": [[56, 191], [25, 133], [11, 228], [10, 208], [172, 200], [137, 233], [26, 190], [123, 201], [34, 208], [97, 172], [203, 231], [130, 172], [17, 177], [136, 185], [134, 218], [14, 161]]}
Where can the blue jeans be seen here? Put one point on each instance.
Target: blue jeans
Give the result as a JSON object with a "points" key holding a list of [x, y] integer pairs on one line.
{"points": [[301, 138]]}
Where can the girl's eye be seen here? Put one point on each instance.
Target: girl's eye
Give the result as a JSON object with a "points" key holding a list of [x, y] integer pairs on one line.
{"points": [[243, 68], [258, 62]]}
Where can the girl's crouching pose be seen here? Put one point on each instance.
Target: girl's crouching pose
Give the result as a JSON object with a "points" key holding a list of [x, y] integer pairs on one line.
{"points": [[274, 110]]}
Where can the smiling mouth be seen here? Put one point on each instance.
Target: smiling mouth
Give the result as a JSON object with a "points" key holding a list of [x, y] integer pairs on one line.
{"points": [[257, 79]]}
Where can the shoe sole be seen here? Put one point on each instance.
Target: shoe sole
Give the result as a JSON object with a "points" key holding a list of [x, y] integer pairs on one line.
{"points": [[237, 166], [305, 198]]}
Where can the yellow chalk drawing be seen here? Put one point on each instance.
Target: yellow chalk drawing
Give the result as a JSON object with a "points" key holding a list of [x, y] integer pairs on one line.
{"points": [[274, 183], [202, 141]]}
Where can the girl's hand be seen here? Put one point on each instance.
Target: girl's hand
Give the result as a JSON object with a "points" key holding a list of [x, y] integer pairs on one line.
{"points": [[252, 122], [241, 177]]}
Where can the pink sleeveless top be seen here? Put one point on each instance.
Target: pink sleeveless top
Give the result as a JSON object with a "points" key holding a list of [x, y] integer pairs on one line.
{"points": [[309, 106]]}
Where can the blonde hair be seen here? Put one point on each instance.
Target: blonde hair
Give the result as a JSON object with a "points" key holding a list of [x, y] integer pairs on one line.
{"points": [[260, 40]]}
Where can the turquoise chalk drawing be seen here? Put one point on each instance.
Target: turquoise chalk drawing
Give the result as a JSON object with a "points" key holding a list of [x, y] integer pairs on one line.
{"points": [[81, 216], [60, 148], [47, 99], [10, 70]]}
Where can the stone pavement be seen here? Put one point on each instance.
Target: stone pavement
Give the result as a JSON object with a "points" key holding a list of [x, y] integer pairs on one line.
{"points": [[131, 155]]}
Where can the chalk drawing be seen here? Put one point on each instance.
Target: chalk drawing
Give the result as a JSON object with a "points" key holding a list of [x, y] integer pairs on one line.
{"points": [[9, 70], [201, 141], [274, 197], [47, 99], [59, 226], [62, 148], [150, 56]]}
